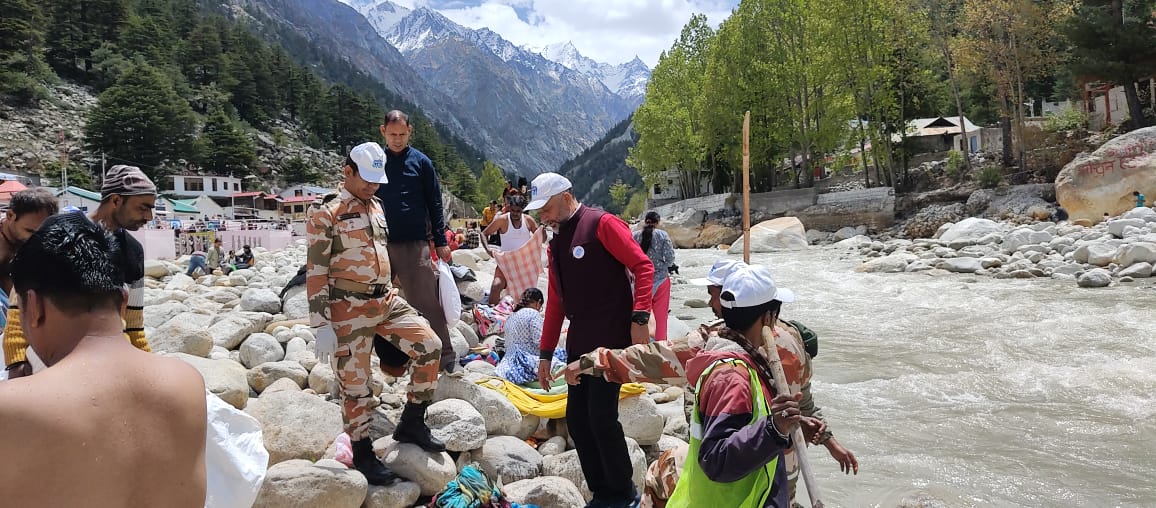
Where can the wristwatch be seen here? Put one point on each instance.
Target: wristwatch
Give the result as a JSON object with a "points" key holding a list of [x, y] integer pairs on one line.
{"points": [[640, 317]]}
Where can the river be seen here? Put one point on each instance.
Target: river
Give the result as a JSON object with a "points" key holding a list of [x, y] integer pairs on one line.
{"points": [[968, 391]]}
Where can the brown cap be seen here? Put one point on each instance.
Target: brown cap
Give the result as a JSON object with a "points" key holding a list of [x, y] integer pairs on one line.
{"points": [[126, 181]]}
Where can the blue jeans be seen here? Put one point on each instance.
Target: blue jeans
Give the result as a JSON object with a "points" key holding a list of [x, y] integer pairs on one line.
{"points": [[196, 262]]}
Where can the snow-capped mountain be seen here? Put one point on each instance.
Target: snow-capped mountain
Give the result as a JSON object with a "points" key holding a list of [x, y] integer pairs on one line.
{"points": [[628, 80]]}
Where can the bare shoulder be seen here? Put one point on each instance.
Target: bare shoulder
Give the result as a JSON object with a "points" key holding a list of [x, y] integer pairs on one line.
{"points": [[180, 384]]}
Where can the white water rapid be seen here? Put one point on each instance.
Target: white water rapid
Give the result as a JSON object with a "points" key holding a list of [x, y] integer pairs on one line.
{"points": [[967, 391]]}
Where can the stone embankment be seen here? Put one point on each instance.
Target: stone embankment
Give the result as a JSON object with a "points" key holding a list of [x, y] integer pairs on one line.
{"points": [[256, 353]]}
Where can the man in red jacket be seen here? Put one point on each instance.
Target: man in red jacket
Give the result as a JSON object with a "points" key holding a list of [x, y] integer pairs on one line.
{"points": [[590, 256]]}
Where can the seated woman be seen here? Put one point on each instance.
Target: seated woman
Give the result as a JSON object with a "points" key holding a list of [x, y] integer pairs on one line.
{"points": [[523, 333]]}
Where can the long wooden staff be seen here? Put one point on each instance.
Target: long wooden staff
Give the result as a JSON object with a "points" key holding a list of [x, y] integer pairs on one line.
{"points": [[797, 440]]}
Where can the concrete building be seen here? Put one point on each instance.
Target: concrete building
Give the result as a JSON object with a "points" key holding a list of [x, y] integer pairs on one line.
{"points": [[192, 185]]}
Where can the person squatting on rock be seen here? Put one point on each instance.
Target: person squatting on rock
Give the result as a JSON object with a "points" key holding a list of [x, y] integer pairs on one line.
{"points": [[105, 424], [351, 300], [412, 200], [127, 198], [667, 363], [658, 247], [590, 257], [26, 211]]}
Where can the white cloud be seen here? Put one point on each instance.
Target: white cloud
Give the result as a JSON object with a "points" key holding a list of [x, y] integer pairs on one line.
{"points": [[611, 31]]}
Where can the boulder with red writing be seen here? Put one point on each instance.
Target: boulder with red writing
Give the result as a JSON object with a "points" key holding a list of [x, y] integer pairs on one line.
{"points": [[1103, 181]]}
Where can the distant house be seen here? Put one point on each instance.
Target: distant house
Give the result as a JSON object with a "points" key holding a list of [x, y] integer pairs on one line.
{"points": [[190, 185], [302, 190], [669, 187], [940, 134], [167, 208], [294, 208], [86, 200]]}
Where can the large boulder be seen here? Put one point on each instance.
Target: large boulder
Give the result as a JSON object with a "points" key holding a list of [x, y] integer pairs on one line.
{"points": [[263, 375], [157, 315], [295, 305], [301, 483], [1140, 252], [1103, 181], [156, 269], [398, 495], [1097, 254], [1094, 278], [1118, 227], [224, 378], [510, 459], [552, 491], [431, 471], [566, 465], [181, 336], [783, 233], [1025, 236], [261, 348], [230, 331], [296, 425], [502, 418], [640, 419], [969, 231], [260, 300], [456, 423], [961, 265]]}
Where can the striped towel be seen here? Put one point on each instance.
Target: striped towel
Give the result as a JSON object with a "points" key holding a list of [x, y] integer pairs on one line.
{"points": [[522, 266]]}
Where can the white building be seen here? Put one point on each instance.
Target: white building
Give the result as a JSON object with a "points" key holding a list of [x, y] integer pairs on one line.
{"points": [[85, 200], [190, 185], [669, 186], [303, 191]]}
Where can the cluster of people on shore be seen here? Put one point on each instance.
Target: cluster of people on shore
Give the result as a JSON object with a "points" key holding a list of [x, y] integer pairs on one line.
{"points": [[76, 289]]}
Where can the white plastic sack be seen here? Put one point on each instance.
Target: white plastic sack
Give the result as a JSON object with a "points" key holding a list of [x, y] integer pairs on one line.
{"points": [[451, 300], [235, 456]]}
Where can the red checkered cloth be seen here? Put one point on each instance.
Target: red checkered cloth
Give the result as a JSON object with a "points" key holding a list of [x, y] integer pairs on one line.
{"points": [[522, 266]]}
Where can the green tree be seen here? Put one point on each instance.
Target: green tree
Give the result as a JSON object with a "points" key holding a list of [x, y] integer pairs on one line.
{"points": [[141, 118], [296, 170], [201, 55], [619, 193], [78, 175], [224, 148], [78, 28], [1114, 40], [492, 183], [22, 66]]}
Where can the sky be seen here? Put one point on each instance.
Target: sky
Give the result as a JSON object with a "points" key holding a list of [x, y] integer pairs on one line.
{"points": [[610, 31]]}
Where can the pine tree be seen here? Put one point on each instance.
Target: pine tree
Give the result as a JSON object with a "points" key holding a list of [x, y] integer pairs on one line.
{"points": [[80, 27], [1114, 41], [492, 183], [21, 44], [224, 148], [201, 56], [142, 119]]}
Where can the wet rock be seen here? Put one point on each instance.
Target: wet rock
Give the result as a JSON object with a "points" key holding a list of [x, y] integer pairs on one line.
{"points": [[1095, 278]]}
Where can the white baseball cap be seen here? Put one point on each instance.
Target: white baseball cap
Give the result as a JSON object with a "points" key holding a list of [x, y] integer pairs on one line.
{"points": [[544, 187], [718, 272], [370, 161], [752, 286]]}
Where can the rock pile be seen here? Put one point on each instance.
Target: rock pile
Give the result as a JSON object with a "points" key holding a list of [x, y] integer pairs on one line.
{"points": [[1121, 249], [255, 352]]}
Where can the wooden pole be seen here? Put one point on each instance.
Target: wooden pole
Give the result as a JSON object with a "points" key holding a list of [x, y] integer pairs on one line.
{"points": [[747, 187], [797, 440]]}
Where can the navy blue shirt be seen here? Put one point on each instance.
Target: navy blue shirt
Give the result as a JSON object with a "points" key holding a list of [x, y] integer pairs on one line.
{"points": [[412, 199]]}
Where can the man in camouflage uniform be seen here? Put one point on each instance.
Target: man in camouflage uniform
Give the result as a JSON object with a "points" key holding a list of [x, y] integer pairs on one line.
{"points": [[351, 300]]}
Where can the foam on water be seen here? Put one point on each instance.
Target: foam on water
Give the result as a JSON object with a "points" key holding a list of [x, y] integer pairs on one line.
{"points": [[968, 391]]}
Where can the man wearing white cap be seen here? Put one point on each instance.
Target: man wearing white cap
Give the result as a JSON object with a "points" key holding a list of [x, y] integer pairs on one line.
{"points": [[592, 257], [351, 300]]}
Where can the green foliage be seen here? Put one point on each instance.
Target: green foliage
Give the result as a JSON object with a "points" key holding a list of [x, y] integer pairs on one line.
{"points": [[224, 149], [619, 192], [1067, 119], [492, 183], [78, 176], [22, 65], [1118, 46], [989, 177], [79, 28], [296, 170], [635, 206], [954, 163], [141, 118]]}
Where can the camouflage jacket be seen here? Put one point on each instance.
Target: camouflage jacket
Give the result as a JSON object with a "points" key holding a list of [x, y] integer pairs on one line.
{"points": [[347, 240]]}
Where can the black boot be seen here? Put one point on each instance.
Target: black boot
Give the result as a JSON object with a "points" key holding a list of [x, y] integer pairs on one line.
{"points": [[365, 461], [412, 428]]}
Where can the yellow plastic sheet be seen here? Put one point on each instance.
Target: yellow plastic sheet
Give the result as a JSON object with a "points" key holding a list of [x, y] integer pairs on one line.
{"points": [[550, 406]]}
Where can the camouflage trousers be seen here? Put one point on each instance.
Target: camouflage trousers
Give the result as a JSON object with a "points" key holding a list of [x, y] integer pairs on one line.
{"points": [[662, 476], [356, 319]]}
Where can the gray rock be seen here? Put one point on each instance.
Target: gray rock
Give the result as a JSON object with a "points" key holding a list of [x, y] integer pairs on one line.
{"points": [[300, 483], [468, 333], [1094, 278], [1025, 236], [1116, 227], [696, 303], [968, 232], [180, 282], [321, 378], [853, 242], [296, 425], [848, 232], [530, 424], [1141, 252], [664, 443], [895, 263], [456, 423], [398, 495], [181, 336], [224, 378], [156, 269], [554, 446], [230, 331], [552, 491], [510, 459], [640, 419], [260, 300], [480, 367], [157, 315], [431, 471], [265, 374], [295, 305], [502, 418], [295, 344], [1137, 271], [282, 385], [567, 465], [261, 348]]}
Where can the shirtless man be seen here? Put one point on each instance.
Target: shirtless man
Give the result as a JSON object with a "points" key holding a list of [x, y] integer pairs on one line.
{"points": [[515, 229], [105, 424]]}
